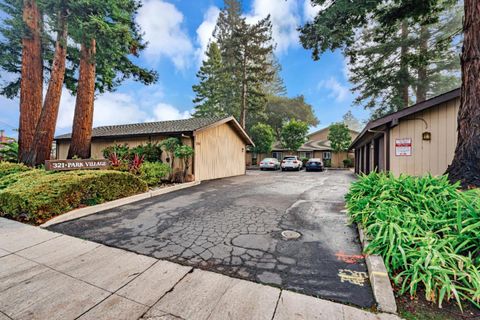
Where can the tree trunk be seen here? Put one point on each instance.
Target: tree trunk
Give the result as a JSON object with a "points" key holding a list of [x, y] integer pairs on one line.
{"points": [[31, 85], [404, 65], [43, 138], [465, 166], [422, 85], [83, 117]]}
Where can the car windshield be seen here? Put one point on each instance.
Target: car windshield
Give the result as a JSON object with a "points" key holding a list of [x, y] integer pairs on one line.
{"points": [[269, 159], [314, 160], [289, 158]]}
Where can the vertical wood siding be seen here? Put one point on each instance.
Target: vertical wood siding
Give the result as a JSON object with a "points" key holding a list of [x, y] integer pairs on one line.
{"points": [[432, 156], [219, 152]]}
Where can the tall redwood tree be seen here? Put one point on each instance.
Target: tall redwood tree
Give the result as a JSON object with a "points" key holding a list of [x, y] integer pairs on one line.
{"points": [[465, 166], [31, 84], [83, 117], [45, 130]]}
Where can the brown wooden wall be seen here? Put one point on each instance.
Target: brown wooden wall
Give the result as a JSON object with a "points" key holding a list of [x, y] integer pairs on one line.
{"points": [[432, 156], [98, 145], [219, 152]]}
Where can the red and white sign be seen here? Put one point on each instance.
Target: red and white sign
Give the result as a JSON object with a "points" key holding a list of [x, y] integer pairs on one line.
{"points": [[403, 147]]}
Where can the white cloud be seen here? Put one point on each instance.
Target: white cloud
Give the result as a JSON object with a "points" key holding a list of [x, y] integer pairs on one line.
{"points": [[309, 11], [285, 20], [109, 109], [118, 108], [162, 23], [338, 91], [205, 32], [164, 111]]}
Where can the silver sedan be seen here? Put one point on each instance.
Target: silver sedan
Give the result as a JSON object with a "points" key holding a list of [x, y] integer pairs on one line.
{"points": [[269, 163]]}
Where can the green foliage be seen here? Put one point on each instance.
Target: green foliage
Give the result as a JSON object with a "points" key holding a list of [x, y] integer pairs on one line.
{"points": [[263, 136], [9, 152], [348, 163], [151, 152], [339, 137], [184, 153], [282, 109], [111, 23], [153, 172], [211, 97], [239, 70], [394, 48], [294, 134], [122, 151], [39, 195], [426, 230], [327, 163], [7, 168]]}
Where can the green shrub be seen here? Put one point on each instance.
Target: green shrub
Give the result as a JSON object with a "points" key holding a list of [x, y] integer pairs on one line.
{"points": [[9, 152], [14, 177], [153, 172], [122, 151], [7, 168], [327, 163], [151, 152], [427, 231], [36, 197], [347, 163]]}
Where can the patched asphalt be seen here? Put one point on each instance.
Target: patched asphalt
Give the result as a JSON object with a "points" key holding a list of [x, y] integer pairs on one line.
{"points": [[234, 226]]}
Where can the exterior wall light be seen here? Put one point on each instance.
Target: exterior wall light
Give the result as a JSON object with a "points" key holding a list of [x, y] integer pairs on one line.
{"points": [[427, 136]]}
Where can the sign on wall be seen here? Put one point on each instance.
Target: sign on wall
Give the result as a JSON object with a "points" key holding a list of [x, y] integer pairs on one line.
{"points": [[403, 147], [64, 165]]}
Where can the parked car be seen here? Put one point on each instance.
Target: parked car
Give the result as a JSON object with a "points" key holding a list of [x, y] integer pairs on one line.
{"points": [[314, 164], [291, 163], [269, 163]]}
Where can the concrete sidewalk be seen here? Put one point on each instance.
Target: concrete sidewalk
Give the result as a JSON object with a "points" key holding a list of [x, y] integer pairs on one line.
{"points": [[46, 275]]}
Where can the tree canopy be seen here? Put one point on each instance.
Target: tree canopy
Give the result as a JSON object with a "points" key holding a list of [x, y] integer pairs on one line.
{"points": [[294, 134], [339, 137], [263, 137]]}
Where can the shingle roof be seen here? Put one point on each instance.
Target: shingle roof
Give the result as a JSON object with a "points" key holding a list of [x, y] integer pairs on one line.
{"points": [[146, 128]]}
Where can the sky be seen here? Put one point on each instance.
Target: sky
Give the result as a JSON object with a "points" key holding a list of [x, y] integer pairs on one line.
{"points": [[178, 32]]}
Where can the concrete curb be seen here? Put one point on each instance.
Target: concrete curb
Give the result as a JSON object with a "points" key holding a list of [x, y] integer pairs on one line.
{"points": [[378, 275], [82, 212]]}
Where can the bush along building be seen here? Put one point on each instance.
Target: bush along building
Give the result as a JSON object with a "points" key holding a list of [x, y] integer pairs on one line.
{"points": [[417, 140], [317, 146], [219, 143]]}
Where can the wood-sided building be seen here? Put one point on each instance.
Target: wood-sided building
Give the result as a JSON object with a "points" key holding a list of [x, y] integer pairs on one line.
{"points": [[416, 140], [317, 146], [219, 143]]}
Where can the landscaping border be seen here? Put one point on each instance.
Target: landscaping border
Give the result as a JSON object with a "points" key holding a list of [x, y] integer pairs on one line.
{"points": [[379, 280], [86, 211]]}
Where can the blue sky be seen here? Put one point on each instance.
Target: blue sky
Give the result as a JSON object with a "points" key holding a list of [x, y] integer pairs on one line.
{"points": [[178, 32]]}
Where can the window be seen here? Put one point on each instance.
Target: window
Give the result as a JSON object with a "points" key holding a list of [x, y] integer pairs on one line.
{"points": [[304, 154], [327, 155], [277, 155]]}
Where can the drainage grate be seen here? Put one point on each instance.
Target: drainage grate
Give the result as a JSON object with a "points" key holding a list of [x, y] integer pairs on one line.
{"points": [[290, 235]]}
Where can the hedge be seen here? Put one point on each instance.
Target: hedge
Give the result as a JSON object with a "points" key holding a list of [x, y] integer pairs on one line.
{"points": [[153, 172], [7, 168], [426, 229], [37, 195]]}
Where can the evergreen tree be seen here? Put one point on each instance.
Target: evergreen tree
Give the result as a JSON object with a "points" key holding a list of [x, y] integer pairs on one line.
{"points": [[392, 70], [335, 28], [339, 137], [118, 37], [280, 110], [211, 96], [247, 51], [294, 134]]}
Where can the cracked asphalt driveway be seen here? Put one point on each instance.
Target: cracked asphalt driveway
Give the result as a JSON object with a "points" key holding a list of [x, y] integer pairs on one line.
{"points": [[233, 226]]}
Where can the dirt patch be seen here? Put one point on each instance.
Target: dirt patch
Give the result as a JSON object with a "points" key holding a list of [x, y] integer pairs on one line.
{"points": [[420, 308]]}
